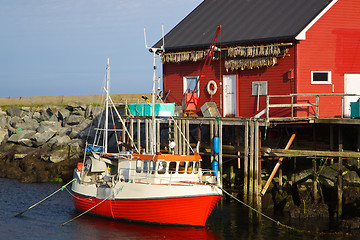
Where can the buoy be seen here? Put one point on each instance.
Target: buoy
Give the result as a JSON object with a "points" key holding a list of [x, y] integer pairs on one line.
{"points": [[216, 145], [80, 166], [211, 87], [215, 168]]}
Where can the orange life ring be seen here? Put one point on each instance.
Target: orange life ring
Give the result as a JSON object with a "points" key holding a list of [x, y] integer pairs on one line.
{"points": [[211, 87]]}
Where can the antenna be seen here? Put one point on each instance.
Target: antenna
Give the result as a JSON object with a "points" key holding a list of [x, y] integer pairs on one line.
{"points": [[145, 39]]}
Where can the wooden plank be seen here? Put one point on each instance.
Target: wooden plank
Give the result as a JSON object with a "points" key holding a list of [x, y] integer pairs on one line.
{"points": [[311, 153]]}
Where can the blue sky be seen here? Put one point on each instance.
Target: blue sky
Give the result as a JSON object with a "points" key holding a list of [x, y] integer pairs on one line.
{"points": [[60, 47]]}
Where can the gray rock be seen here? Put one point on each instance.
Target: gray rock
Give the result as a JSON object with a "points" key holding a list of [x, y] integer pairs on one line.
{"points": [[3, 134], [88, 112], [15, 121], [40, 138], [14, 111], [3, 120], [74, 119], [26, 142], [59, 155], [78, 111], [59, 141], [96, 111], [21, 135], [63, 113], [351, 177], [46, 125], [64, 131]]}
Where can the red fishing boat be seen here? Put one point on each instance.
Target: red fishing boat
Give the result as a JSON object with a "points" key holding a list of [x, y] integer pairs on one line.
{"points": [[148, 187]]}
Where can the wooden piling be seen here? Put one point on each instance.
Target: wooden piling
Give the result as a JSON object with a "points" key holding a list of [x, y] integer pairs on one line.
{"points": [[147, 139], [251, 167], [340, 178], [138, 134], [246, 161]]}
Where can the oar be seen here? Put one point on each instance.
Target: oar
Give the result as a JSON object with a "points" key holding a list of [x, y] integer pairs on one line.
{"points": [[62, 188]]}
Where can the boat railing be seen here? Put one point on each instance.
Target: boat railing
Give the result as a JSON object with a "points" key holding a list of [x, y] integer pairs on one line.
{"points": [[305, 104], [153, 177]]}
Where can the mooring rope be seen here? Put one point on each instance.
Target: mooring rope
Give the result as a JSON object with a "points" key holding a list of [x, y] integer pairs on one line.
{"points": [[110, 195], [60, 189], [281, 224]]}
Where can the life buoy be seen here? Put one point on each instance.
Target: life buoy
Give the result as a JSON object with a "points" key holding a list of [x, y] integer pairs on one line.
{"points": [[211, 87]]}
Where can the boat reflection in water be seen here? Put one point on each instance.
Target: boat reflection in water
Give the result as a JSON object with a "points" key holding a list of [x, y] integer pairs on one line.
{"points": [[92, 227]]}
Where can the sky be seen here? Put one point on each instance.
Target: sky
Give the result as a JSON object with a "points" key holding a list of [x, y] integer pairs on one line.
{"points": [[60, 47]]}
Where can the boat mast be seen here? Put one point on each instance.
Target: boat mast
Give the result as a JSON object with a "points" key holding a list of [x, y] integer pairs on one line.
{"points": [[107, 105]]}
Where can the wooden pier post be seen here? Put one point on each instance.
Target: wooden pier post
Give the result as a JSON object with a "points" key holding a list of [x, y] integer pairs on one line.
{"points": [[246, 160], [147, 139], [183, 129], [158, 140], [187, 134], [257, 169], [179, 137], [138, 134], [340, 183], [251, 167]]}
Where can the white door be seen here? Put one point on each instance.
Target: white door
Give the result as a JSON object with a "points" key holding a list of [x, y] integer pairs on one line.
{"points": [[229, 95], [351, 86]]}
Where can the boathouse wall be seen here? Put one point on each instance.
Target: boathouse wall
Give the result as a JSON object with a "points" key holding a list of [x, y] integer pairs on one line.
{"points": [[247, 104], [331, 44]]}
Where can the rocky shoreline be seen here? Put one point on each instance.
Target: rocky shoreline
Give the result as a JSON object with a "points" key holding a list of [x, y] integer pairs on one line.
{"points": [[43, 144]]}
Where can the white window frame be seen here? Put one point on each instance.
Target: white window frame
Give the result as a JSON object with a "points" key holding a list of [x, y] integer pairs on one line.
{"points": [[329, 80], [185, 84]]}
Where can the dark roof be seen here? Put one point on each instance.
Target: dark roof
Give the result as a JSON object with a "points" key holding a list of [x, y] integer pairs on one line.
{"points": [[243, 21]]}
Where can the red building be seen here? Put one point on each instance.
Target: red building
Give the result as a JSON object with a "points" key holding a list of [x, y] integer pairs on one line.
{"points": [[267, 48]]}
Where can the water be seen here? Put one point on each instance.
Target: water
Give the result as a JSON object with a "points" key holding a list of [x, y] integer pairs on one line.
{"points": [[43, 221]]}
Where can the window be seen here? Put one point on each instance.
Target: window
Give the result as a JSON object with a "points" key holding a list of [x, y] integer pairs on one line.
{"points": [[162, 167], [152, 167], [196, 168], [190, 167], [189, 84], [172, 167], [146, 166], [138, 166], [182, 167], [320, 77], [259, 88]]}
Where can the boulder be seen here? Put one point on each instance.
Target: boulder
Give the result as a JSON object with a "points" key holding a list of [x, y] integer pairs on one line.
{"points": [[74, 119], [59, 155], [40, 138], [3, 120], [351, 177], [14, 111], [21, 135], [78, 111], [47, 125], [59, 141], [88, 112], [3, 134], [63, 113]]}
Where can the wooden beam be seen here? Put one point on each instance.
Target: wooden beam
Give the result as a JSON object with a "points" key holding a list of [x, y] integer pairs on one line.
{"points": [[310, 153]]}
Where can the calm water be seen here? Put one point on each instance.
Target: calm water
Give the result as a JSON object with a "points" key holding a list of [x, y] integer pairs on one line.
{"points": [[43, 221]]}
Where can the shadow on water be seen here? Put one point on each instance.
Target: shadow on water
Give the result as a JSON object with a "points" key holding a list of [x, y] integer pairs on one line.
{"points": [[228, 221]]}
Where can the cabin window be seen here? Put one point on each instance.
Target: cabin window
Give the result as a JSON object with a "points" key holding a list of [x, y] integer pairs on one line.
{"points": [[320, 77], [190, 167], [172, 167], [152, 167], [182, 167], [196, 167], [189, 84], [162, 167], [139, 166], [146, 166]]}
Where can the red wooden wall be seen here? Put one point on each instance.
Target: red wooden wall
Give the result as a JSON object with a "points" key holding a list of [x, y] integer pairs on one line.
{"points": [[332, 44], [277, 78]]}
